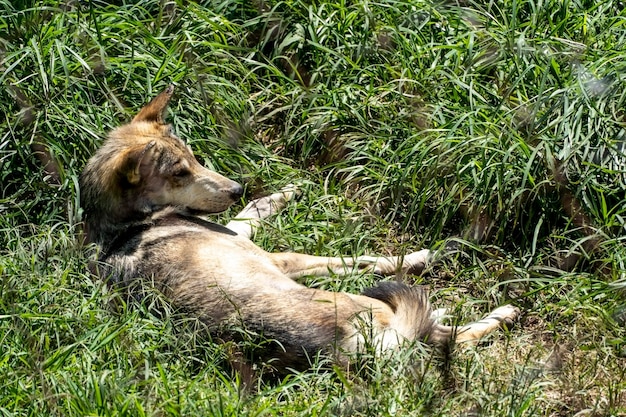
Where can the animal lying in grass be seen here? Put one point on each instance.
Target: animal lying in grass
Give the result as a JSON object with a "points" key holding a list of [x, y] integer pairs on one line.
{"points": [[142, 194]]}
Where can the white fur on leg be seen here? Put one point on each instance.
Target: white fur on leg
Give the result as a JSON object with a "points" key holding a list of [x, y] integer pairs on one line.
{"points": [[502, 315], [473, 332], [249, 219], [414, 262], [438, 315]]}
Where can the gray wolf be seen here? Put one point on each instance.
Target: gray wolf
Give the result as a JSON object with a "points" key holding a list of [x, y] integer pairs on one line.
{"points": [[143, 193]]}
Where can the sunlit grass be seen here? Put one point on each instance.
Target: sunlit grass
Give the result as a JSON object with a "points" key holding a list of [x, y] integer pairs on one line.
{"points": [[468, 127]]}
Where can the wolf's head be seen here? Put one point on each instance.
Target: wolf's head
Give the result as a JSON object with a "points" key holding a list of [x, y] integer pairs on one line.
{"points": [[143, 167]]}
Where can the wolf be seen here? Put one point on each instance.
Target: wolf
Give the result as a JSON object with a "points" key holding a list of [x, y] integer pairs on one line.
{"points": [[144, 195]]}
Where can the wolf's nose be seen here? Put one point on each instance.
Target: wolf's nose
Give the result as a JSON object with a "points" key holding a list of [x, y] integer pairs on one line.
{"points": [[236, 192]]}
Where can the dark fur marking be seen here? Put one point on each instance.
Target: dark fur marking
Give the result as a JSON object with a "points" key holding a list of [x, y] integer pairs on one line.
{"points": [[123, 239], [390, 292], [177, 218], [411, 300], [121, 242]]}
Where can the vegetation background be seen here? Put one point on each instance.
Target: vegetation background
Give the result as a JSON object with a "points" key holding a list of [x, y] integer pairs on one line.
{"points": [[492, 131]]}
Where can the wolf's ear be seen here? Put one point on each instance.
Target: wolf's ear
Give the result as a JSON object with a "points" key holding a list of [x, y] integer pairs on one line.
{"points": [[155, 110], [133, 161]]}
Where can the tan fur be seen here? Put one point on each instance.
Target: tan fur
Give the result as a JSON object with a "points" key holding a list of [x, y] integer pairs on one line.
{"points": [[142, 193]]}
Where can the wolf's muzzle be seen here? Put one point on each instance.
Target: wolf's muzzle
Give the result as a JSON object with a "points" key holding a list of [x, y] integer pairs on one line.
{"points": [[236, 192]]}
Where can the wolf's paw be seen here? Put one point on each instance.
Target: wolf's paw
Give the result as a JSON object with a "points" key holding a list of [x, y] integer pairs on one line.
{"points": [[286, 194], [507, 314], [416, 262], [275, 202], [267, 206], [439, 315]]}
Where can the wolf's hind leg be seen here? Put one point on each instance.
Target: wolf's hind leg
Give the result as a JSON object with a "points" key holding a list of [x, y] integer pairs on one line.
{"points": [[505, 315], [296, 265], [248, 220]]}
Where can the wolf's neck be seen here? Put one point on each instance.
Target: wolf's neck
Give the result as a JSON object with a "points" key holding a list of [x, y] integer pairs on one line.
{"points": [[107, 219], [105, 228]]}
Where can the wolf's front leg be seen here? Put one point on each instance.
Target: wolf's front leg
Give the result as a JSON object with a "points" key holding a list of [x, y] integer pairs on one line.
{"points": [[297, 265], [248, 220]]}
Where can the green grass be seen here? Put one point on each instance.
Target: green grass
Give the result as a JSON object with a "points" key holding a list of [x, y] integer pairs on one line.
{"points": [[408, 124]]}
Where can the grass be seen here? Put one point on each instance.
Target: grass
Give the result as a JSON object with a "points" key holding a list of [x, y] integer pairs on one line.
{"points": [[493, 131]]}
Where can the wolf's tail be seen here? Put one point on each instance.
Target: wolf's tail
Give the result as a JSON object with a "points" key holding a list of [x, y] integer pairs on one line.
{"points": [[412, 312]]}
